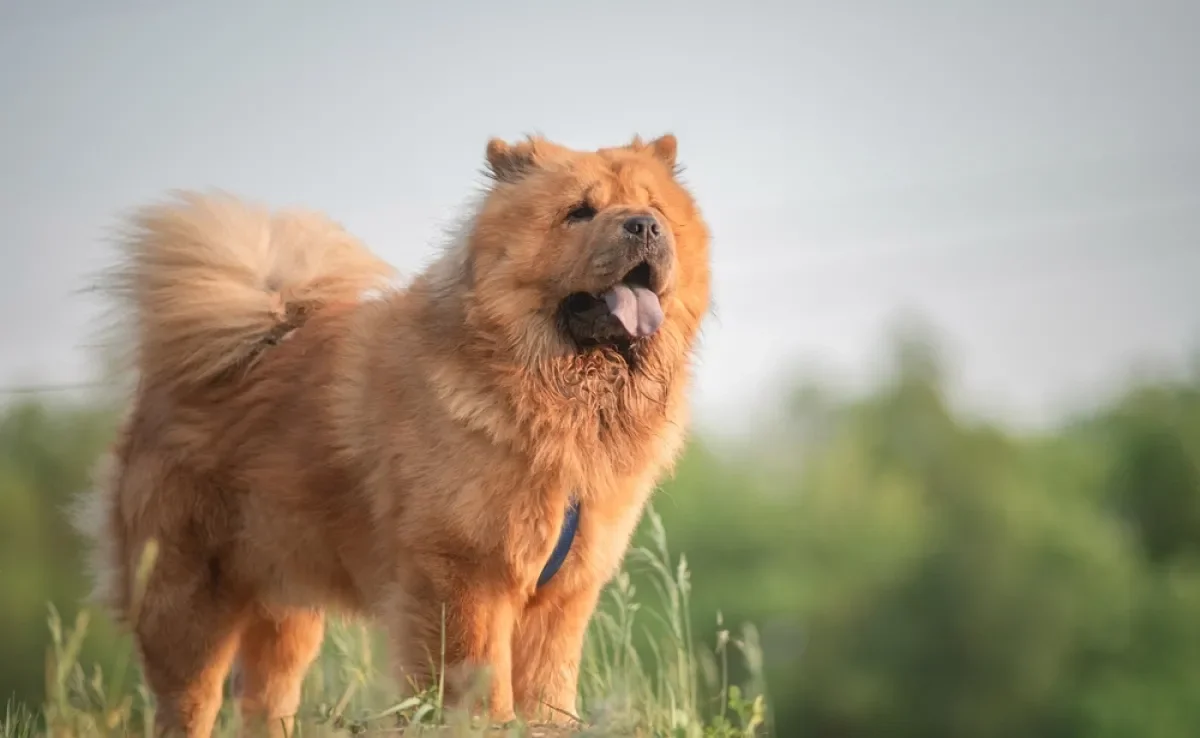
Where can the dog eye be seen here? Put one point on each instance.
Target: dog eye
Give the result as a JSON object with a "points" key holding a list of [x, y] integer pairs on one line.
{"points": [[580, 213]]}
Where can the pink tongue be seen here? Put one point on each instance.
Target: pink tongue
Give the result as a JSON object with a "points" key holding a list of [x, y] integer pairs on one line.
{"points": [[637, 309]]}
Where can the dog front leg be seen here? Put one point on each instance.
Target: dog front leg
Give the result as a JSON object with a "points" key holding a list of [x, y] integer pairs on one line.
{"points": [[485, 630], [548, 645], [468, 637]]}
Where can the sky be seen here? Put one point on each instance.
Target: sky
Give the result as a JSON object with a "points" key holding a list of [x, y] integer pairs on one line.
{"points": [[1023, 175]]}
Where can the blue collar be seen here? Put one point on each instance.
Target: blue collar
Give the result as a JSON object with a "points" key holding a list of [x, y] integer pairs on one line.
{"points": [[565, 538]]}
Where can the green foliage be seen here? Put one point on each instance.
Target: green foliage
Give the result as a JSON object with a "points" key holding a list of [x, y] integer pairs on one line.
{"points": [[46, 456], [917, 574], [1154, 436], [912, 573]]}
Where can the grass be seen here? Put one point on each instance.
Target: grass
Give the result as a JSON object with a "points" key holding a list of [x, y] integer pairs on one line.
{"points": [[642, 675]]}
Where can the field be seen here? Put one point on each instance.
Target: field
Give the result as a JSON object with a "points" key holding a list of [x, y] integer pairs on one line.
{"points": [[682, 691]]}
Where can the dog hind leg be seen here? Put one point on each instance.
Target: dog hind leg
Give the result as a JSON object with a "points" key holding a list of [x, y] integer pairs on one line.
{"points": [[276, 650], [187, 635]]}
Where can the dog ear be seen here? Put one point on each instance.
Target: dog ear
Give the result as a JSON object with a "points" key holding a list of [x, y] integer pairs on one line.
{"points": [[663, 148], [509, 162]]}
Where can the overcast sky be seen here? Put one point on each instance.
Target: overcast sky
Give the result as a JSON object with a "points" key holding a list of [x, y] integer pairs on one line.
{"points": [[1025, 174]]}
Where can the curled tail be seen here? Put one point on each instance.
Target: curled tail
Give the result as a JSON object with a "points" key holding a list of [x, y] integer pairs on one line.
{"points": [[206, 282]]}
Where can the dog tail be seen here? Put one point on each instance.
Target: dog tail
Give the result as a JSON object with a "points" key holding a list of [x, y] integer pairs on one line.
{"points": [[205, 283]]}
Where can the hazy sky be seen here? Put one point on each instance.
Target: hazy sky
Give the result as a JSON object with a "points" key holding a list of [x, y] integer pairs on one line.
{"points": [[1025, 174]]}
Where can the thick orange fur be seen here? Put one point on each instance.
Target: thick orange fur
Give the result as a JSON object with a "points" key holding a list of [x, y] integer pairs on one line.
{"points": [[306, 435]]}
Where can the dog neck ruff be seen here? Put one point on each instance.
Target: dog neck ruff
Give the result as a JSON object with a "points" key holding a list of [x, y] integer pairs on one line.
{"points": [[566, 537]]}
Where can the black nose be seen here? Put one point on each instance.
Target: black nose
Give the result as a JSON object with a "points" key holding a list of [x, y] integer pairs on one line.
{"points": [[643, 226]]}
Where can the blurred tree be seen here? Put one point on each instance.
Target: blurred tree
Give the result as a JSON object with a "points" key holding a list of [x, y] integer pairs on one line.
{"points": [[46, 455], [945, 579], [1154, 439]]}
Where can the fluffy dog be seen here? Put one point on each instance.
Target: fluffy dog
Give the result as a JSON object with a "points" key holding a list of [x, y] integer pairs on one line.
{"points": [[467, 454]]}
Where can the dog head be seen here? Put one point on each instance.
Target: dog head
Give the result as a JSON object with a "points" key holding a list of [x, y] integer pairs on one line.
{"points": [[583, 252]]}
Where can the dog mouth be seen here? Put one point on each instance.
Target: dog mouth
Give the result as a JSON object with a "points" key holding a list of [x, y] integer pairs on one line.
{"points": [[628, 311]]}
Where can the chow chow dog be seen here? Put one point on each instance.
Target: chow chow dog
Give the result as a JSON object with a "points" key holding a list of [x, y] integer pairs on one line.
{"points": [[463, 456]]}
